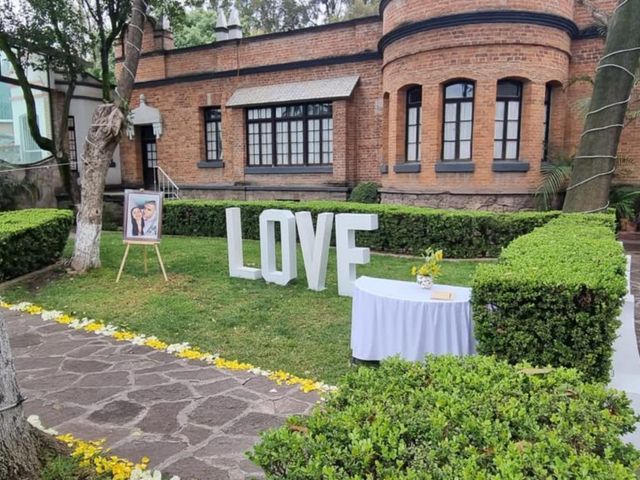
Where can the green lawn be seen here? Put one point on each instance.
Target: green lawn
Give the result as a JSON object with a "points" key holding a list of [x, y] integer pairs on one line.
{"points": [[289, 328]]}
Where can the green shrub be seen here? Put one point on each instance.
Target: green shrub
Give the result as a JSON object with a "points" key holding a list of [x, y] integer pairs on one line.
{"points": [[456, 418], [365, 192], [31, 239], [402, 229], [554, 297]]}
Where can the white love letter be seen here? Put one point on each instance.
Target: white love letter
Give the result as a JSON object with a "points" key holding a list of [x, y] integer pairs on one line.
{"points": [[315, 247], [234, 247], [348, 255], [268, 220]]}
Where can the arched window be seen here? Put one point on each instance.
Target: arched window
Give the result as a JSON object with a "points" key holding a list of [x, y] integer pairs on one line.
{"points": [[457, 121], [506, 145], [414, 122]]}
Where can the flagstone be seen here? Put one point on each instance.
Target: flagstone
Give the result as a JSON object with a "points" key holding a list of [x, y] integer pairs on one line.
{"points": [[118, 412], [226, 445], [195, 435], [162, 417], [149, 379], [85, 366], [49, 382], [84, 395], [190, 468], [254, 423], [107, 379], [213, 388], [217, 411], [172, 391], [25, 340], [204, 373]]}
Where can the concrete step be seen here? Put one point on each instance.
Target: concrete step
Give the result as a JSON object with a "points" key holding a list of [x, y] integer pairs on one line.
{"points": [[630, 240]]}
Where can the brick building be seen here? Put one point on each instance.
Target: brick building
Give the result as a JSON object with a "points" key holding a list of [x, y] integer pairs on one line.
{"points": [[452, 103]]}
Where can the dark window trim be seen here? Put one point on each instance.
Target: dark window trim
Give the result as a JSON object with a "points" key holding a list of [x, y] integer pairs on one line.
{"points": [[407, 167], [273, 120], [287, 169], [73, 143], [210, 164], [460, 166], [272, 68], [548, 105], [409, 106], [510, 166], [480, 17], [505, 121], [458, 102], [206, 111]]}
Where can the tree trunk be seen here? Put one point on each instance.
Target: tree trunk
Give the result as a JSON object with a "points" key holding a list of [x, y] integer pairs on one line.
{"points": [[595, 162], [19, 456], [104, 134], [102, 140]]}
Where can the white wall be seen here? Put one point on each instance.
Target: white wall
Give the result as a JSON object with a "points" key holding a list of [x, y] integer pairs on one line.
{"points": [[82, 111]]}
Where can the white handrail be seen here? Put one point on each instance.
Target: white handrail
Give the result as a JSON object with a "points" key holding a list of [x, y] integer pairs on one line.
{"points": [[166, 185]]}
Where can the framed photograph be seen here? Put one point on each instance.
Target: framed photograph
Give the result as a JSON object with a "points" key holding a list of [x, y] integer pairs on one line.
{"points": [[142, 216]]}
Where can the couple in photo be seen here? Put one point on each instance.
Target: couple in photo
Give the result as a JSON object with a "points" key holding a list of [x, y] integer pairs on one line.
{"points": [[144, 220]]}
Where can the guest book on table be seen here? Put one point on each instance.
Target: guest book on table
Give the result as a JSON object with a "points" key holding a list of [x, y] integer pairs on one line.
{"points": [[442, 296]]}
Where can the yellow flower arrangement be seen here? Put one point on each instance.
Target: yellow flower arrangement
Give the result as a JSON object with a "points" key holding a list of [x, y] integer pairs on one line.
{"points": [[431, 265], [90, 454], [179, 350]]}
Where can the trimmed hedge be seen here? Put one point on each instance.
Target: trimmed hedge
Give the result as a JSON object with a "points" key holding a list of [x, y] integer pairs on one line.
{"points": [[457, 418], [402, 229], [365, 192], [555, 296], [31, 239]]}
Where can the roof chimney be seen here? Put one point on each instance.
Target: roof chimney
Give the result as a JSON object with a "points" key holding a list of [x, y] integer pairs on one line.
{"points": [[235, 30], [222, 32]]}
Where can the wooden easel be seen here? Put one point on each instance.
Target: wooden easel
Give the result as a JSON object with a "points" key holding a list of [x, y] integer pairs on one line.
{"points": [[144, 244]]}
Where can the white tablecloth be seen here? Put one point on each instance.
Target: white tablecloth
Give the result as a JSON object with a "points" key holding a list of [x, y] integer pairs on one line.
{"points": [[391, 317]]}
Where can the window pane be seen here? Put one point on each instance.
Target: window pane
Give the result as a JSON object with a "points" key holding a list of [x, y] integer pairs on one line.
{"points": [[459, 90], [16, 144], [413, 116], [411, 153], [512, 130], [497, 149], [512, 150], [412, 135], [465, 150], [465, 131], [450, 111], [500, 111], [449, 151], [514, 110], [509, 89], [466, 110], [414, 96], [499, 130], [449, 131]]}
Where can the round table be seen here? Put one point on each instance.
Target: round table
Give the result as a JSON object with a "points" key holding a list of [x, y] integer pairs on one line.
{"points": [[390, 317]]}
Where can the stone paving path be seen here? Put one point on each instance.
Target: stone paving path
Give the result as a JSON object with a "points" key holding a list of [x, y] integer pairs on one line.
{"points": [[190, 419]]}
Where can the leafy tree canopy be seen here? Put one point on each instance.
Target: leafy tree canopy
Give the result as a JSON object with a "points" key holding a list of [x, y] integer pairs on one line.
{"points": [[196, 26]]}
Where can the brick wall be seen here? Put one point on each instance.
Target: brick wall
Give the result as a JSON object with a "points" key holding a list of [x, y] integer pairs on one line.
{"points": [[399, 12], [485, 58], [369, 127], [181, 145]]}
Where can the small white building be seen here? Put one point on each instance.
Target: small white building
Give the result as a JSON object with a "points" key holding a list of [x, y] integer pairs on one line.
{"points": [[18, 151]]}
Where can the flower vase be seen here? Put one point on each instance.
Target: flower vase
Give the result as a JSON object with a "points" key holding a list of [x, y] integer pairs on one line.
{"points": [[425, 281]]}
